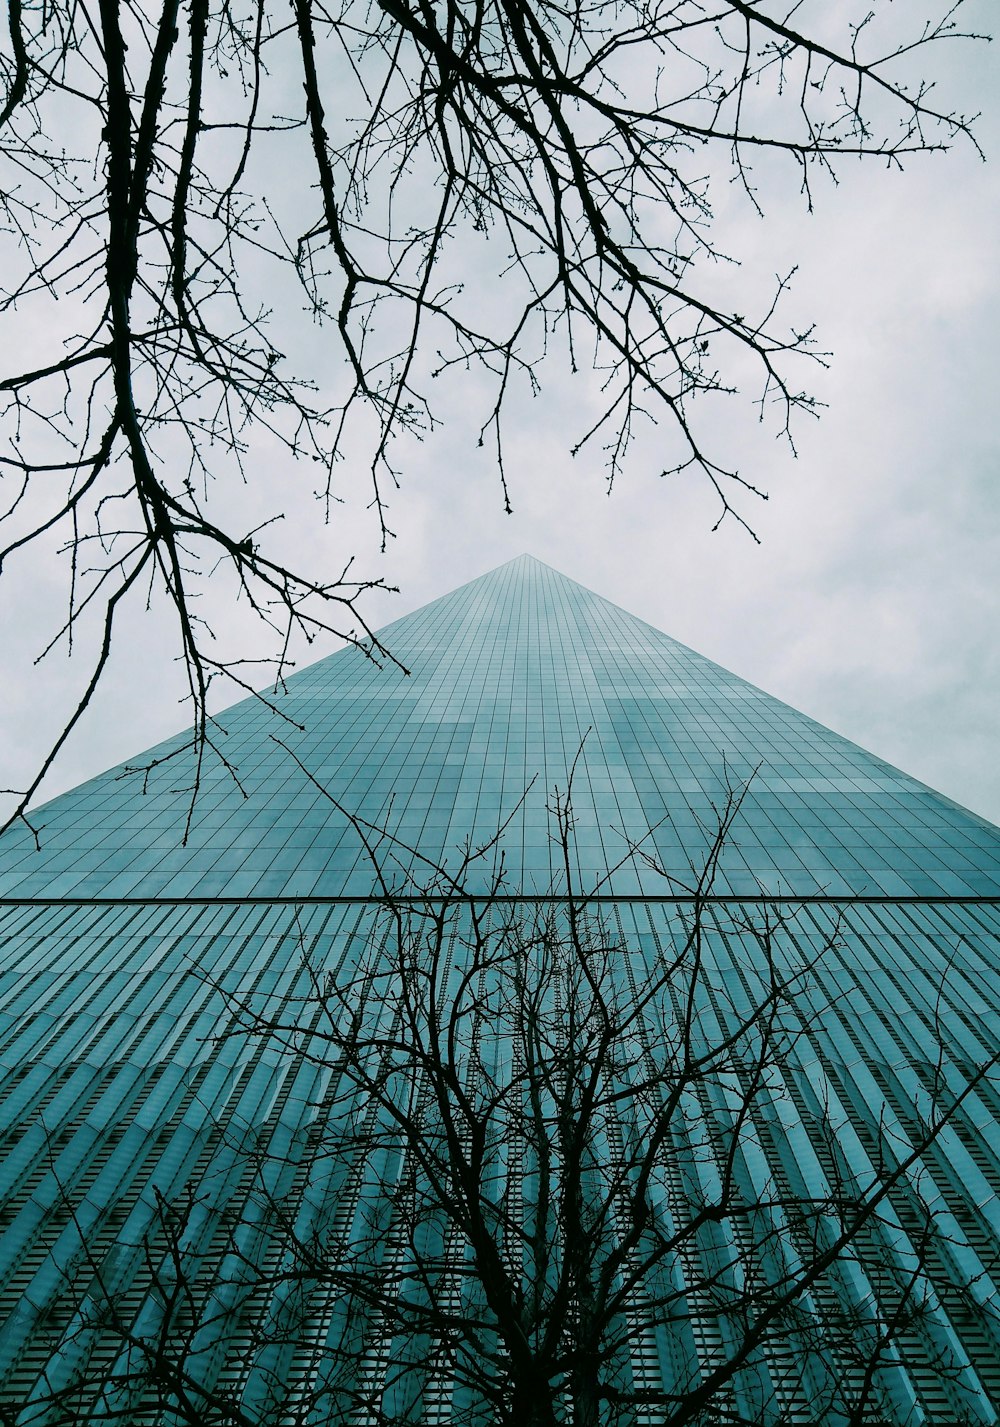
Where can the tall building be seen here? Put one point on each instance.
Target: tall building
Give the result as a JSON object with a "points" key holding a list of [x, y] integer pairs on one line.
{"points": [[192, 1196]]}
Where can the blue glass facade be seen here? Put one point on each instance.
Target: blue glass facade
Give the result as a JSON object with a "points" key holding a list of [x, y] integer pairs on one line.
{"points": [[507, 677], [126, 1087]]}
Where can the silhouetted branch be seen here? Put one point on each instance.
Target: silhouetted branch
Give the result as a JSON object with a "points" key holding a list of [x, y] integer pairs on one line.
{"points": [[152, 250]]}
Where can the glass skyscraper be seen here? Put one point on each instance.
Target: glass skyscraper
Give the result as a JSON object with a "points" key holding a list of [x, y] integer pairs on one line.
{"points": [[161, 1125]]}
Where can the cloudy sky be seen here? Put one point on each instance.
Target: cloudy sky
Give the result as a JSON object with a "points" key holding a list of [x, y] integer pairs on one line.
{"points": [[871, 602]]}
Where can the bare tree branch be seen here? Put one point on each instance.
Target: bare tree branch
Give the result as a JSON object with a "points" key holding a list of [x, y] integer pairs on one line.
{"points": [[179, 179]]}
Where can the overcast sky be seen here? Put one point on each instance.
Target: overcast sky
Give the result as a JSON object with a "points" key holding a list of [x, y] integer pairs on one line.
{"points": [[871, 602]]}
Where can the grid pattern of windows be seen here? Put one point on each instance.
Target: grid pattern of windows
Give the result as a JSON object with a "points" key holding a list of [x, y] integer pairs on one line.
{"points": [[510, 678], [148, 1131], [132, 1085]]}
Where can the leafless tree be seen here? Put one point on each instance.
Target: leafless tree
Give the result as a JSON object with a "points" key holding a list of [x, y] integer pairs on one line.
{"points": [[557, 1174], [173, 174]]}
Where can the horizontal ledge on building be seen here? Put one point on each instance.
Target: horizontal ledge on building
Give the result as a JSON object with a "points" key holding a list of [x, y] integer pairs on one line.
{"points": [[542, 898]]}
